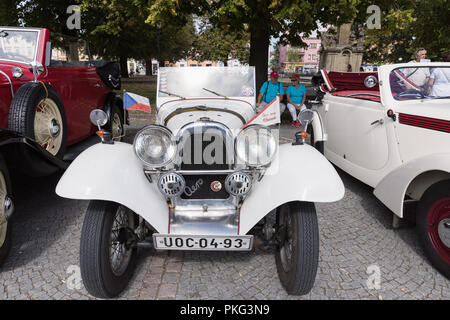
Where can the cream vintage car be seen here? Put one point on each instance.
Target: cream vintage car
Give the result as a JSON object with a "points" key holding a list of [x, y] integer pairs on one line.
{"points": [[203, 177], [391, 130]]}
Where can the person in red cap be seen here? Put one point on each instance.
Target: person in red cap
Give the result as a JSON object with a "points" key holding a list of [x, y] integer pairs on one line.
{"points": [[296, 94], [269, 91]]}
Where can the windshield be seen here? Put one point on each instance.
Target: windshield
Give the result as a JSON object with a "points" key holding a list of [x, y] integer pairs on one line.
{"points": [[18, 45], [206, 82], [413, 83]]}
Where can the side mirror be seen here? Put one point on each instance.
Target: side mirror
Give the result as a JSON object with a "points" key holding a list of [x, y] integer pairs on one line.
{"points": [[305, 117], [98, 118]]}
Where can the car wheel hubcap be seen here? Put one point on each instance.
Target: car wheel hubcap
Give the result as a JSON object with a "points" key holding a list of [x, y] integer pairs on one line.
{"points": [[48, 126], [120, 251], [444, 232], [3, 220], [439, 227]]}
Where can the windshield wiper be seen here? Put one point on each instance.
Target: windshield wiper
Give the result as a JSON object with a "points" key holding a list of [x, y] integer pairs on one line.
{"points": [[172, 94], [217, 94]]}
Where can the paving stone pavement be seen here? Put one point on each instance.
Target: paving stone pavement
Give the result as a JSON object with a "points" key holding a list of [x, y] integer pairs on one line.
{"points": [[356, 238]]}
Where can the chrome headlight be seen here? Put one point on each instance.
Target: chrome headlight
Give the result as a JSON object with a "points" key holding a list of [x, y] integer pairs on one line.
{"points": [[155, 146], [256, 146], [17, 72]]}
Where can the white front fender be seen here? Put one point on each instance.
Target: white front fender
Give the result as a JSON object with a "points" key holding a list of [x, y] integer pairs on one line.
{"points": [[114, 173], [304, 174]]}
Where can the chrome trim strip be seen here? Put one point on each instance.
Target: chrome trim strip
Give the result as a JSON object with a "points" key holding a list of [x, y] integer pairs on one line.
{"points": [[10, 83]]}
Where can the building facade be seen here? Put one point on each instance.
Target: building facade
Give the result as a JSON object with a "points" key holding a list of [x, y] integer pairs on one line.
{"points": [[300, 60]]}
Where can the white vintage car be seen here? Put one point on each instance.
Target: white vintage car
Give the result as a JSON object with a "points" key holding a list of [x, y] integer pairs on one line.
{"points": [[391, 130], [201, 178]]}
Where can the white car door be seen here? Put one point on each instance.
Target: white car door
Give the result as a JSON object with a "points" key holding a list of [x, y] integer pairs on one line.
{"points": [[356, 130]]}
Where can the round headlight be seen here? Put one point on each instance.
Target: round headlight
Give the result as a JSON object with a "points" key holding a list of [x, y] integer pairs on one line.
{"points": [[155, 146], [17, 72], [256, 146]]}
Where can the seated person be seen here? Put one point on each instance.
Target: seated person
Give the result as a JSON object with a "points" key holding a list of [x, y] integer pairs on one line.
{"points": [[269, 90], [296, 94]]}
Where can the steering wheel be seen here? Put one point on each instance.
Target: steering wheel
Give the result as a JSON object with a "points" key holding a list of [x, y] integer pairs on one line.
{"points": [[411, 92]]}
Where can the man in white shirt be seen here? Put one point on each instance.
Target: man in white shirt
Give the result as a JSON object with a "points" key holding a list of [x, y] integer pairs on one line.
{"points": [[419, 76]]}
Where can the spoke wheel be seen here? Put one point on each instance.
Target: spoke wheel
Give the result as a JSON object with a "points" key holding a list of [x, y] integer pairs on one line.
{"points": [[116, 127], [297, 252], [48, 124], [120, 251], [3, 222], [5, 227], [38, 113], [107, 253]]}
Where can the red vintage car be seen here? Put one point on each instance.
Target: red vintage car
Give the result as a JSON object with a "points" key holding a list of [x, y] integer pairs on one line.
{"points": [[48, 89]]}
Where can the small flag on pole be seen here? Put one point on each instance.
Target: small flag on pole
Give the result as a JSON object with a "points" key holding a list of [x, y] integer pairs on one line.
{"points": [[267, 116], [132, 101]]}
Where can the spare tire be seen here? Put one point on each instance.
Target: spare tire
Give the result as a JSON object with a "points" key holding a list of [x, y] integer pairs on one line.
{"points": [[37, 112]]}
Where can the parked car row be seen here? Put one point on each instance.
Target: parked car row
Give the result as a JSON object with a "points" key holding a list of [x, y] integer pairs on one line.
{"points": [[47, 90], [391, 130], [204, 176]]}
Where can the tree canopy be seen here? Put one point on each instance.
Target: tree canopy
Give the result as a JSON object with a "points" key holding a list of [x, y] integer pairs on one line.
{"points": [[407, 25]]}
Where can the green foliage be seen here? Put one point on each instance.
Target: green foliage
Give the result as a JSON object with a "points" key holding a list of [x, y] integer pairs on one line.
{"points": [[214, 44], [405, 26], [9, 13]]}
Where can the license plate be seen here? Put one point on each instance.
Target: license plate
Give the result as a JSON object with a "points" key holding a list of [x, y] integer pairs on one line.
{"points": [[198, 242]]}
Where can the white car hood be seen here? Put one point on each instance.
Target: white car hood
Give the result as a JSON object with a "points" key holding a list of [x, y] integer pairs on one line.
{"points": [[232, 112]]}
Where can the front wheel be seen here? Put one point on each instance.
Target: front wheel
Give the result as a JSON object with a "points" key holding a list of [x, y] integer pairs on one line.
{"points": [[37, 112], [116, 123], [297, 254], [107, 250], [5, 227], [433, 225]]}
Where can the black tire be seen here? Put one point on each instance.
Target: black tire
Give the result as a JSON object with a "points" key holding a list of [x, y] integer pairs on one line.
{"points": [[297, 275], [21, 118], [425, 230], [6, 245], [95, 264]]}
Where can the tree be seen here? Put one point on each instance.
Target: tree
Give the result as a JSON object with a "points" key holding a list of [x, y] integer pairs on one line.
{"points": [[224, 45], [9, 13], [262, 19], [124, 33], [405, 26]]}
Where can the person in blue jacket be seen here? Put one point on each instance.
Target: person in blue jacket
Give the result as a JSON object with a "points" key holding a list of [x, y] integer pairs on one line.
{"points": [[296, 94], [269, 90]]}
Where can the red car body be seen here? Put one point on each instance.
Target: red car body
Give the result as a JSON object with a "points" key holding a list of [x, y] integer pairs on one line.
{"points": [[80, 88]]}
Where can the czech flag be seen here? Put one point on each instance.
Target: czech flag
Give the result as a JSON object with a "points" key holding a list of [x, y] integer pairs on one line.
{"points": [[132, 101]]}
